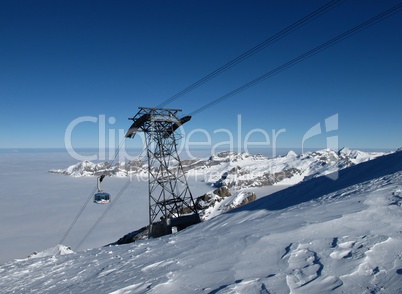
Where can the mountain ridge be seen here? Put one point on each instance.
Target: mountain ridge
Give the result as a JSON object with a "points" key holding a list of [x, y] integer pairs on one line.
{"points": [[242, 169]]}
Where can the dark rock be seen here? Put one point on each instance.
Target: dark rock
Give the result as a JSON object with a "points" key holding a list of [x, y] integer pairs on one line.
{"points": [[222, 192]]}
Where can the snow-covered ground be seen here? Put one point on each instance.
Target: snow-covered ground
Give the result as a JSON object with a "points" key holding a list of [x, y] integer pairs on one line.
{"points": [[319, 236]]}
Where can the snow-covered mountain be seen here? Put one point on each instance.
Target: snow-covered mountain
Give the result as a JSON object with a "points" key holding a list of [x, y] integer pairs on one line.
{"points": [[87, 168], [235, 172], [241, 170], [318, 236]]}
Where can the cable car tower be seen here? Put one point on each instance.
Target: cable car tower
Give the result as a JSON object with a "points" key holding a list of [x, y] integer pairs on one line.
{"points": [[171, 204]]}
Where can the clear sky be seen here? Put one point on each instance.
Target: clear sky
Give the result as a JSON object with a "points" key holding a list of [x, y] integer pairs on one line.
{"points": [[62, 61]]}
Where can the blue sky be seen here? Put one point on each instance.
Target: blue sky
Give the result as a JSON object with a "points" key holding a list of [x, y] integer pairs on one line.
{"points": [[65, 60]]}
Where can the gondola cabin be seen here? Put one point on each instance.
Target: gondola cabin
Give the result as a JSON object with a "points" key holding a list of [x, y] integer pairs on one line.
{"points": [[102, 198]]}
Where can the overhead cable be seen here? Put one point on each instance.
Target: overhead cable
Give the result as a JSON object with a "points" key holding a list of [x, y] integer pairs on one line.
{"points": [[104, 213], [77, 216], [302, 57], [110, 205], [89, 198], [255, 49]]}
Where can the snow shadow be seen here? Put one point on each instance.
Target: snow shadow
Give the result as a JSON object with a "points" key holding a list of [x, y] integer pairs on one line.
{"points": [[317, 187]]}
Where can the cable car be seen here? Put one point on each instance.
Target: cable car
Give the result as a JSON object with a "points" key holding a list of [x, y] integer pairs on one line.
{"points": [[101, 197]]}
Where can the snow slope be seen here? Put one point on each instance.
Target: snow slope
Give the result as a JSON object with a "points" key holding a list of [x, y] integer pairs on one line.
{"points": [[319, 236]]}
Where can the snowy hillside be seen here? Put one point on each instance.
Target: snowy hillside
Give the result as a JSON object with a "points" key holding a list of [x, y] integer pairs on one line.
{"points": [[318, 236], [240, 170]]}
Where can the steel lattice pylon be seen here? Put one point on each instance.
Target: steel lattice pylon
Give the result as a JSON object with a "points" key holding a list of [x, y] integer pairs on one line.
{"points": [[171, 203]]}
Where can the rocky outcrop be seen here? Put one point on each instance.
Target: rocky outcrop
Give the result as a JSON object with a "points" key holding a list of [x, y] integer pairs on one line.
{"points": [[222, 192], [222, 200]]}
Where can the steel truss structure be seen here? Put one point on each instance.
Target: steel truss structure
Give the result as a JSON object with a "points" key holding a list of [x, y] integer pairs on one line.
{"points": [[171, 203]]}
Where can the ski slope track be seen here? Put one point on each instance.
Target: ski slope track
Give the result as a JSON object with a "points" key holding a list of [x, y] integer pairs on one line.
{"points": [[318, 236]]}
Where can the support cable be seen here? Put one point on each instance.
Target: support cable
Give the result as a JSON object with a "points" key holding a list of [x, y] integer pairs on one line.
{"points": [[91, 195], [302, 57], [77, 216], [320, 11], [123, 189], [110, 205]]}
